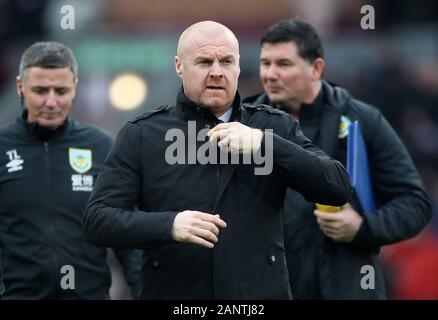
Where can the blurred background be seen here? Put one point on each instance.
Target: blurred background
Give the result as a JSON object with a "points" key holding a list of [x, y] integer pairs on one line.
{"points": [[125, 51]]}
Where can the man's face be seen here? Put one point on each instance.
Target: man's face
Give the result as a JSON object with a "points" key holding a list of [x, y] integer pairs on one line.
{"points": [[286, 77], [48, 95], [209, 69]]}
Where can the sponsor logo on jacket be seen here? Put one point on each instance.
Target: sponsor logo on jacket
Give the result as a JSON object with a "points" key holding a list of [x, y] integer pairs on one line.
{"points": [[343, 127], [15, 162], [82, 182], [81, 160]]}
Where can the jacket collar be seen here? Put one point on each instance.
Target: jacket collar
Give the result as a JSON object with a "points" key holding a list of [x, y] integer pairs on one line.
{"points": [[192, 111], [334, 96], [261, 98], [312, 110], [41, 133], [307, 110], [334, 101]]}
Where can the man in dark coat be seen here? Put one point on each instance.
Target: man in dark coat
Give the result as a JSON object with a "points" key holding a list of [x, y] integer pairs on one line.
{"points": [[209, 229], [336, 256]]}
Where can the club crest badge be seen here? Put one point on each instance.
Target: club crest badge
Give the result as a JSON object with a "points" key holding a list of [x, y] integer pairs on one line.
{"points": [[80, 159], [343, 127]]}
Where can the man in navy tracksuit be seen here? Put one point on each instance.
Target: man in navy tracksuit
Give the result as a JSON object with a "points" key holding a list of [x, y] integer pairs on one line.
{"points": [[48, 166]]}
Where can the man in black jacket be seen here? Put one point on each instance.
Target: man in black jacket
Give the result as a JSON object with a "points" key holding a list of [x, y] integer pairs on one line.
{"points": [[209, 229], [48, 166], [336, 256]]}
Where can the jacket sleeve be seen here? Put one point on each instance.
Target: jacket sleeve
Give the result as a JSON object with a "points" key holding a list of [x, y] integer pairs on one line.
{"points": [[111, 218], [403, 206], [130, 260], [306, 168]]}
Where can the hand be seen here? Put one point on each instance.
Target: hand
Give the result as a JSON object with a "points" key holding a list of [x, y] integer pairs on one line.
{"points": [[341, 226], [236, 138], [197, 227]]}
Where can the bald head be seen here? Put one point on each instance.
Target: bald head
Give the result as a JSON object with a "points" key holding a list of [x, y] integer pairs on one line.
{"points": [[199, 32], [207, 62]]}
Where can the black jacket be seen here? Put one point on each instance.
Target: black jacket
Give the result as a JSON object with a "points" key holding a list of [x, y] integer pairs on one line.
{"points": [[320, 268], [45, 181], [138, 195]]}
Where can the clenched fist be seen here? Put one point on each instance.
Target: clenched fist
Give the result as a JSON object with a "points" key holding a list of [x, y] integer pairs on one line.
{"points": [[197, 227]]}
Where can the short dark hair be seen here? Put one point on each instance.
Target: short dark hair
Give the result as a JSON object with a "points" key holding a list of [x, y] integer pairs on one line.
{"points": [[48, 55], [301, 33]]}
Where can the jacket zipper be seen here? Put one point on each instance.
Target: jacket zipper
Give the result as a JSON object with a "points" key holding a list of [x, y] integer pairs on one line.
{"points": [[52, 218]]}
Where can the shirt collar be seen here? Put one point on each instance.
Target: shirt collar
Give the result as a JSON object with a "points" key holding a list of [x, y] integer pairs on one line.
{"points": [[226, 116]]}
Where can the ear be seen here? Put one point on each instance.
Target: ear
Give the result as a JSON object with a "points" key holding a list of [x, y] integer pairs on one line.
{"points": [[178, 66], [318, 68], [19, 84]]}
